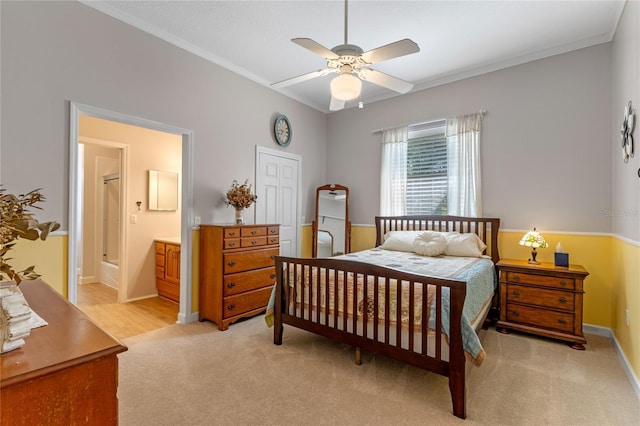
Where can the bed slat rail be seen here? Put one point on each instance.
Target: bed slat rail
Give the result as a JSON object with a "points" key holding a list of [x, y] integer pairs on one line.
{"points": [[485, 228], [295, 291]]}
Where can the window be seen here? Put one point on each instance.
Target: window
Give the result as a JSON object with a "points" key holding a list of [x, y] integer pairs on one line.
{"points": [[427, 174], [432, 168]]}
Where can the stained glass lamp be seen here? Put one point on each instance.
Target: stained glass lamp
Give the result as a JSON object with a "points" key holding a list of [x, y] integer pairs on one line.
{"points": [[535, 240]]}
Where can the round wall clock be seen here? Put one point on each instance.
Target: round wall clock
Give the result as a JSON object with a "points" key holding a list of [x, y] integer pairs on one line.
{"points": [[282, 130]]}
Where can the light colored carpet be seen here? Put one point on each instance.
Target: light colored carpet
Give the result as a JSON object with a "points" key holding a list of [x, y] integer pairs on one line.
{"points": [[194, 374]]}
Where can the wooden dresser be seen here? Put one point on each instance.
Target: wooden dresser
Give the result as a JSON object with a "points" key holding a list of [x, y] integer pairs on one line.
{"points": [[66, 373], [237, 271], [168, 268], [542, 299]]}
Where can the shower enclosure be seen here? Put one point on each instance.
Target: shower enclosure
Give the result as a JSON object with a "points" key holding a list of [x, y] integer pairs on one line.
{"points": [[110, 228]]}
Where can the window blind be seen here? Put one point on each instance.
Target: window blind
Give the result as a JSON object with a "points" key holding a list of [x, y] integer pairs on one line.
{"points": [[427, 175]]}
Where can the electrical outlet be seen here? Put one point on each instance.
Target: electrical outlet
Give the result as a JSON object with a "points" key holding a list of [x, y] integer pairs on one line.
{"points": [[196, 220], [133, 219], [626, 314]]}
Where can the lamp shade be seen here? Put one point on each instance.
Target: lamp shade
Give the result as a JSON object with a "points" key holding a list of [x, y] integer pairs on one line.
{"points": [[533, 239], [346, 87]]}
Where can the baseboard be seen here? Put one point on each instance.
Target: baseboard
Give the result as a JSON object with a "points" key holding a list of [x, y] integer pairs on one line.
{"points": [[607, 332], [184, 319]]}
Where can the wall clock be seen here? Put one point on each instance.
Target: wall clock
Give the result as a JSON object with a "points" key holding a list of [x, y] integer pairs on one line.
{"points": [[282, 130]]}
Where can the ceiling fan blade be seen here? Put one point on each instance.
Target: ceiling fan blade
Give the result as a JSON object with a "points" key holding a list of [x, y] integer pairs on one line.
{"points": [[315, 47], [300, 78], [390, 51], [336, 104], [385, 80]]}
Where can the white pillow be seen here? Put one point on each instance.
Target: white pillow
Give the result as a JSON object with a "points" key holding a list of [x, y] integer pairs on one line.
{"points": [[466, 245], [400, 240], [430, 243]]}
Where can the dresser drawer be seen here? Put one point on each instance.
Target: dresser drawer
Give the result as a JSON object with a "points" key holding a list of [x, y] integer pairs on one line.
{"points": [[231, 243], [273, 230], [273, 239], [232, 233], [248, 260], [241, 303], [251, 280], [253, 231], [253, 241], [539, 317], [544, 280], [541, 297]]}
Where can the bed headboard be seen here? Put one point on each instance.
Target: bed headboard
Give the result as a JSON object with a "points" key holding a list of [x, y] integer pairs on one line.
{"points": [[481, 226]]}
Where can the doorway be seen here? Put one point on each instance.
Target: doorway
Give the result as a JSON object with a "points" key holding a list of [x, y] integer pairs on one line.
{"points": [[277, 184], [128, 214]]}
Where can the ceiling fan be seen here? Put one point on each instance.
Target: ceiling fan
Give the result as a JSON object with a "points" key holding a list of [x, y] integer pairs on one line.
{"points": [[352, 63]]}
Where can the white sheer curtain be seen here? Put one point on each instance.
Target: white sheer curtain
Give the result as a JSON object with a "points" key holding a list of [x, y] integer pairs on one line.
{"points": [[463, 168], [393, 173]]}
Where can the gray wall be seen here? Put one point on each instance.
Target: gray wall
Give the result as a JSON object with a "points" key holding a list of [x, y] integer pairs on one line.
{"points": [[56, 52], [545, 141], [625, 205]]}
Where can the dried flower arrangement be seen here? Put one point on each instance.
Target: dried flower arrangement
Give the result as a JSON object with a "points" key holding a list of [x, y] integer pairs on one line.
{"points": [[240, 196], [17, 222]]}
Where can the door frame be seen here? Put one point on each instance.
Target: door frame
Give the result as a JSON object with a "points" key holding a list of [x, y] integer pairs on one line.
{"points": [[290, 156], [186, 237]]}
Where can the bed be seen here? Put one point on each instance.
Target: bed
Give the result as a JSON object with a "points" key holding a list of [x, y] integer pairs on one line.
{"points": [[412, 308]]}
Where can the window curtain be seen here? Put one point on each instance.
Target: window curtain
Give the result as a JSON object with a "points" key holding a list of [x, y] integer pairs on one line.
{"points": [[393, 173], [463, 165]]}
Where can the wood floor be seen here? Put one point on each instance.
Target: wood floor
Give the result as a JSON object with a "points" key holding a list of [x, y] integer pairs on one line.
{"points": [[123, 320]]}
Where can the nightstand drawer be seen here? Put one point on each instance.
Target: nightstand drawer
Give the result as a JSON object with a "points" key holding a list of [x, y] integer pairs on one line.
{"points": [[541, 297], [540, 317], [544, 280]]}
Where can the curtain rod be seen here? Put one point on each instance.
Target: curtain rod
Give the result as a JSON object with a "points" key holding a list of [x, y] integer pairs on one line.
{"points": [[483, 112]]}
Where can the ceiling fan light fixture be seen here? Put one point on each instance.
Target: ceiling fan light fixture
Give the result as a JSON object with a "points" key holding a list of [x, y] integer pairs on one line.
{"points": [[346, 87]]}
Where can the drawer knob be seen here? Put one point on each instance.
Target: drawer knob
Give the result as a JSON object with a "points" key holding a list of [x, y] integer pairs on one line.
{"points": [[232, 264], [272, 276], [562, 321], [232, 233], [515, 313], [273, 231], [254, 242], [231, 307], [231, 285], [563, 300], [273, 241], [563, 284], [516, 278], [253, 232], [232, 244], [516, 293]]}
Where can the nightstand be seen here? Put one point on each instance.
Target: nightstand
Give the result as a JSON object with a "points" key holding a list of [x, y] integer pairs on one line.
{"points": [[542, 299]]}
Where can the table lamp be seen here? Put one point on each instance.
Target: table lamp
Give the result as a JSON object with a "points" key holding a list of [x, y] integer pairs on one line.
{"points": [[535, 240]]}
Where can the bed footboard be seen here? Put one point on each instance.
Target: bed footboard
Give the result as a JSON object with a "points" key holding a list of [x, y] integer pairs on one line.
{"points": [[357, 303]]}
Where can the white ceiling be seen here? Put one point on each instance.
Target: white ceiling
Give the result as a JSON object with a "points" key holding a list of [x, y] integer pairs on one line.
{"points": [[457, 39]]}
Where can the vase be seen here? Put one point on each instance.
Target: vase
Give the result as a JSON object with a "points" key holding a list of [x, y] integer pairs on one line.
{"points": [[239, 216]]}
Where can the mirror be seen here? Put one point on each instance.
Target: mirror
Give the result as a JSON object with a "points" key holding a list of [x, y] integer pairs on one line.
{"points": [[163, 190], [331, 227]]}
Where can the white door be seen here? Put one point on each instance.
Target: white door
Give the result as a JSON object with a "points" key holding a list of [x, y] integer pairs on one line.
{"points": [[277, 185]]}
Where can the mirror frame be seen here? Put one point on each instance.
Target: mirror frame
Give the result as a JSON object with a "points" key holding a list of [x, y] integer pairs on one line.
{"points": [[347, 223]]}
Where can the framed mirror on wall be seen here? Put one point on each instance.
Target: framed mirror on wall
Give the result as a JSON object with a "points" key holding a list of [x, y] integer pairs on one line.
{"points": [[163, 190], [331, 227]]}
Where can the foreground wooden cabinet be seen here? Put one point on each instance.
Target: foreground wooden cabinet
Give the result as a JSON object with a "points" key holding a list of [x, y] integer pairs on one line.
{"points": [[542, 299], [237, 271], [168, 269], [67, 371]]}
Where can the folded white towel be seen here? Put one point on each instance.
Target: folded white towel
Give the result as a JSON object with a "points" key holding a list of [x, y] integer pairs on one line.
{"points": [[11, 345]]}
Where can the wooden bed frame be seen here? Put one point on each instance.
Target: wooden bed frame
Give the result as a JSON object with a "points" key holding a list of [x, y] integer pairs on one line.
{"points": [[310, 320]]}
